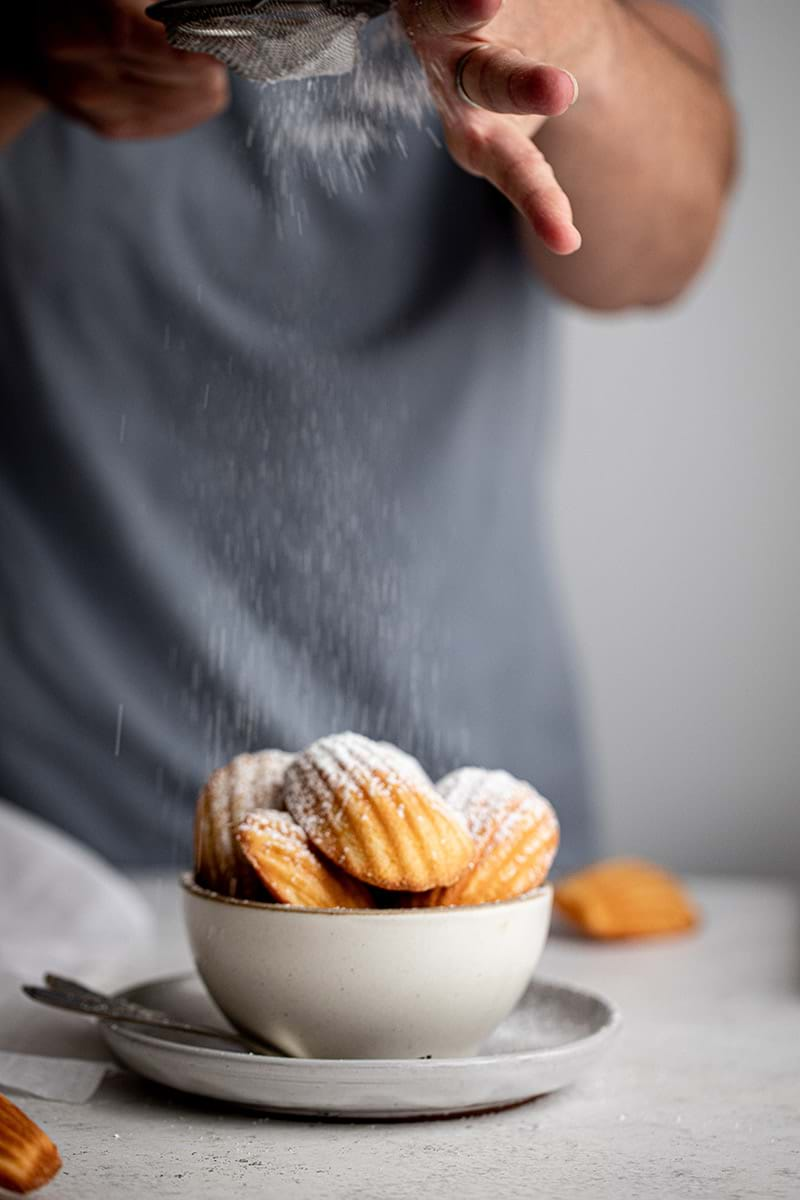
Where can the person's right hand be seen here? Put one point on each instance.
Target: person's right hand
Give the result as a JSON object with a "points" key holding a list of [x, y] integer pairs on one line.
{"points": [[108, 65]]}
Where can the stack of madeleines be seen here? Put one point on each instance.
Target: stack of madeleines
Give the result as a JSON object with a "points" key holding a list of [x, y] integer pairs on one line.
{"points": [[352, 823]]}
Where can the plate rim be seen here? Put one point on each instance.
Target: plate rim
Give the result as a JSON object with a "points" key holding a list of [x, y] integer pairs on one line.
{"points": [[610, 1028]]}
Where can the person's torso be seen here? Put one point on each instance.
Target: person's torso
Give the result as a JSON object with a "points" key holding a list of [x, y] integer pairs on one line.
{"points": [[270, 467]]}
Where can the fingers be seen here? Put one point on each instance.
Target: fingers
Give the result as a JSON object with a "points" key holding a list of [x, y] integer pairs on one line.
{"points": [[505, 81], [492, 100], [112, 68], [517, 168], [430, 18]]}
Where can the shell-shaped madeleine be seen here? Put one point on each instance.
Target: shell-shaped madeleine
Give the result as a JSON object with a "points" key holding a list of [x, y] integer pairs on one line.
{"points": [[374, 816], [623, 898], [28, 1158], [515, 831], [247, 782], [289, 867]]}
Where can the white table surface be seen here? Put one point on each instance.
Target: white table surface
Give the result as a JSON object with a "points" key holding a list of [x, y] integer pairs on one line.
{"points": [[699, 1097]]}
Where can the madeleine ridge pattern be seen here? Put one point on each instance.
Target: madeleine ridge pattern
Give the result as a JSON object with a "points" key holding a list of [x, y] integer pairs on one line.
{"points": [[376, 819], [247, 782], [28, 1158], [278, 849], [516, 837]]}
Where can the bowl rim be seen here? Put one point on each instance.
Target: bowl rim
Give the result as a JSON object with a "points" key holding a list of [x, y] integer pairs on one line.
{"points": [[191, 887]]}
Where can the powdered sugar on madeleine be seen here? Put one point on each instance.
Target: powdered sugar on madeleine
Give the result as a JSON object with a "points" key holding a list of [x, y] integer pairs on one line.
{"points": [[293, 872], [515, 831], [247, 782], [376, 817]]}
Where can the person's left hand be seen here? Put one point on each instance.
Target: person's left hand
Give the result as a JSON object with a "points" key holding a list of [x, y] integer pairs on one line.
{"points": [[513, 91]]}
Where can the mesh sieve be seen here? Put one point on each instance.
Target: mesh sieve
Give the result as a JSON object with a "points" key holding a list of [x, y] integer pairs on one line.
{"points": [[270, 40]]}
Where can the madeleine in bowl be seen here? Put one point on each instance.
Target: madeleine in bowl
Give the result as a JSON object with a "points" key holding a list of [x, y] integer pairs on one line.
{"points": [[364, 912]]}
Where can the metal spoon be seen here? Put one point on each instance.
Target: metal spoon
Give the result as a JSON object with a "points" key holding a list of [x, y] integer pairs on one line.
{"points": [[74, 997]]}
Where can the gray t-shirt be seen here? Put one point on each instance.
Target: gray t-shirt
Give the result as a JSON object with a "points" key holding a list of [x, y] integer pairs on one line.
{"points": [[271, 461]]}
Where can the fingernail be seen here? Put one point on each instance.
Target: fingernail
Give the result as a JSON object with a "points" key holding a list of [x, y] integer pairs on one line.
{"points": [[577, 90]]}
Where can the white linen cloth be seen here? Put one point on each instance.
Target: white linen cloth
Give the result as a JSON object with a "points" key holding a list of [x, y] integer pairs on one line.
{"points": [[62, 909]]}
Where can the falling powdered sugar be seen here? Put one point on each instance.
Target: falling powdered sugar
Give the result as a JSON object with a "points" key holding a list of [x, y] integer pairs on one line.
{"points": [[336, 125]]}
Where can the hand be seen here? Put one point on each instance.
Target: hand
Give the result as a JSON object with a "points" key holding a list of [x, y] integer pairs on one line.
{"points": [[514, 93], [108, 65]]}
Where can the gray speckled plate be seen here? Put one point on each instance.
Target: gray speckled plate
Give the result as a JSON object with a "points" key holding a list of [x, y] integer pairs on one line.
{"points": [[553, 1036]]}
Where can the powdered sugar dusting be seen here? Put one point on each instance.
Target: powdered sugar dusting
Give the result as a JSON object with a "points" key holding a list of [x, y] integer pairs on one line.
{"points": [[340, 772], [279, 850], [282, 835], [374, 811], [515, 832], [280, 826], [460, 788], [407, 764], [248, 781], [494, 802]]}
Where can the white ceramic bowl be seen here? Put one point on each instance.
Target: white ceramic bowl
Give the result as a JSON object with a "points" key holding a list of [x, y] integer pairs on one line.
{"points": [[358, 983]]}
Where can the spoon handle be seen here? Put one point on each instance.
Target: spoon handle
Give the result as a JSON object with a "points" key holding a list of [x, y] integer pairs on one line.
{"points": [[74, 997], [101, 1004]]}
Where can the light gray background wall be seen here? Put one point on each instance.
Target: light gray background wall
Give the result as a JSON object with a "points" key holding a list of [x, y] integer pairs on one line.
{"points": [[677, 516]]}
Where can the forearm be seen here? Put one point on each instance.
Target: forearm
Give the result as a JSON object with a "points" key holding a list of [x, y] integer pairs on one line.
{"points": [[646, 157]]}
